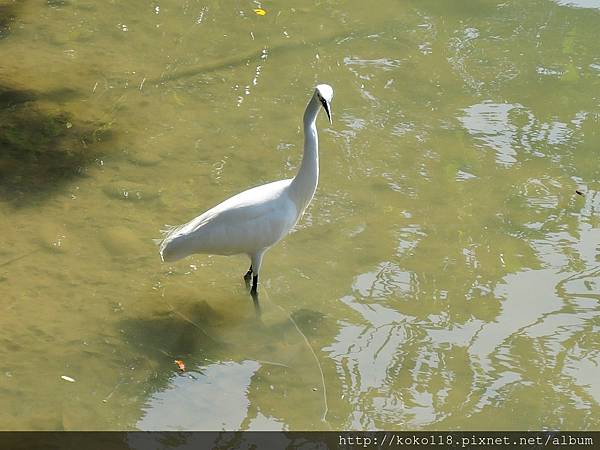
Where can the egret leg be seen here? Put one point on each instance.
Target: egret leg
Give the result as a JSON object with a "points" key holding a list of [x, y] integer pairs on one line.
{"points": [[254, 290], [256, 263], [248, 276]]}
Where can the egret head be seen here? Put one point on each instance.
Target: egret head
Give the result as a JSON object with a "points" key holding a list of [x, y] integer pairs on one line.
{"points": [[324, 94]]}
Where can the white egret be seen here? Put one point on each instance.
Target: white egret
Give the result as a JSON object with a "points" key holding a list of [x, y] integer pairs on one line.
{"points": [[253, 221]]}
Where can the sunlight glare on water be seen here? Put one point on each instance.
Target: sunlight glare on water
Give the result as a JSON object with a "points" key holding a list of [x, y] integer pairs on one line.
{"points": [[445, 275]]}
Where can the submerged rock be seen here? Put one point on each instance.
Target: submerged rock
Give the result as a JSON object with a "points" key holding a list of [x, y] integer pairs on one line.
{"points": [[143, 159], [53, 238], [121, 241]]}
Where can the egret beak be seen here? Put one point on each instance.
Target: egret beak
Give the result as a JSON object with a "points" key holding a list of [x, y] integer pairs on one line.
{"points": [[327, 109]]}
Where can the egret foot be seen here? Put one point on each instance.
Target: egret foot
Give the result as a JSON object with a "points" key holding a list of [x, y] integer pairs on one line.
{"points": [[248, 276]]}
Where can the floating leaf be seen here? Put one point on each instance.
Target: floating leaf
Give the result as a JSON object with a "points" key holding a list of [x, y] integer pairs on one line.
{"points": [[180, 364], [260, 11]]}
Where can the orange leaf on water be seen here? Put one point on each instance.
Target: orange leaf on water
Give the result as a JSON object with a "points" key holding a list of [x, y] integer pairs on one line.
{"points": [[180, 364]]}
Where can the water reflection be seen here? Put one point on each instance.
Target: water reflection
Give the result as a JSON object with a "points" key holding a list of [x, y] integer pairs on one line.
{"points": [[436, 356], [212, 398], [506, 128], [404, 369], [580, 3]]}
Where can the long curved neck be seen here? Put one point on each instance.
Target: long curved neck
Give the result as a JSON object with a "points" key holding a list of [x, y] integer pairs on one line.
{"points": [[304, 184]]}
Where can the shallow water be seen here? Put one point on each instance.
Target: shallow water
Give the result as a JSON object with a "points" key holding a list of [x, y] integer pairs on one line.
{"points": [[445, 275]]}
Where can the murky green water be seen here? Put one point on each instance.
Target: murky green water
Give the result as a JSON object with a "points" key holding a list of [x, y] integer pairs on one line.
{"points": [[446, 274]]}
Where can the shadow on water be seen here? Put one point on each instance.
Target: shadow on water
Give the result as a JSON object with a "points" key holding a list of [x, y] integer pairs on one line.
{"points": [[41, 149], [175, 333], [197, 331]]}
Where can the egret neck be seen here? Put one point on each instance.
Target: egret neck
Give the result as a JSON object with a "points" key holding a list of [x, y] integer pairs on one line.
{"points": [[304, 184]]}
